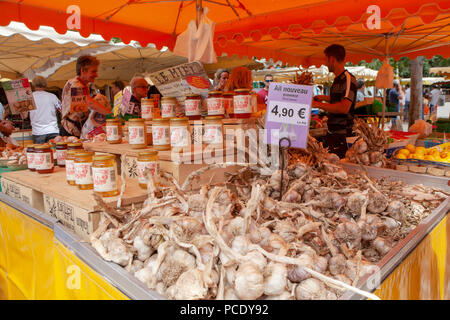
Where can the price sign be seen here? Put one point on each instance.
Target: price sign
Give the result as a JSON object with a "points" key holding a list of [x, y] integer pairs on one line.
{"points": [[125, 102], [288, 113], [78, 99], [19, 95]]}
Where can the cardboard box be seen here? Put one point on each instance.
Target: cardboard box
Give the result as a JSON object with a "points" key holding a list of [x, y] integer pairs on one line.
{"points": [[27, 195]]}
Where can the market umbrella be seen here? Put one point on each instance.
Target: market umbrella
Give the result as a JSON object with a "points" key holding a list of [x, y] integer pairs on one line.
{"points": [[293, 31]]}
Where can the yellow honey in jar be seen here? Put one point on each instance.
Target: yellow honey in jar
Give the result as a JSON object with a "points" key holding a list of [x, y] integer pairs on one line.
{"points": [[70, 167], [104, 175], [113, 131], [83, 170], [147, 160], [137, 133]]}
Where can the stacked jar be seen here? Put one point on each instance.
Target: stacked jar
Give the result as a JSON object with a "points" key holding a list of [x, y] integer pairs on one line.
{"points": [[104, 175], [161, 134], [113, 131], [147, 106], [168, 106], [213, 131], [180, 133], [242, 103], [83, 170], [137, 133], [30, 157], [215, 104], [228, 103], [70, 166], [147, 160], [43, 158], [61, 151], [192, 105]]}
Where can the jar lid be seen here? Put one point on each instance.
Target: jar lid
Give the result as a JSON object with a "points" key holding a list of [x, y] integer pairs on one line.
{"points": [[168, 98], [74, 144], [85, 153], [136, 120], [242, 90], [113, 120], [160, 119], [60, 143], [215, 92], [31, 146], [103, 157], [213, 117], [180, 119], [148, 153], [228, 93], [72, 152], [192, 95], [42, 146]]}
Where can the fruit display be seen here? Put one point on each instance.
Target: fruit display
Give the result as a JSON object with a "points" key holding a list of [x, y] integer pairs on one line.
{"points": [[421, 153]]}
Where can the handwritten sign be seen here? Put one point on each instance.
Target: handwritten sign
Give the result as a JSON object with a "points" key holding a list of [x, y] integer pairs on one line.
{"points": [[288, 113], [78, 99], [19, 95], [125, 102], [181, 80]]}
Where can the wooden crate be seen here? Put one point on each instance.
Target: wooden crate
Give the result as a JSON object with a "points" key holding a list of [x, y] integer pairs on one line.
{"points": [[75, 208], [23, 193]]}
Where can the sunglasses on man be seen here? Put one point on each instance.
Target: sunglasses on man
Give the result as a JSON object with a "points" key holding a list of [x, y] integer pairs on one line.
{"points": [[268, 80]]}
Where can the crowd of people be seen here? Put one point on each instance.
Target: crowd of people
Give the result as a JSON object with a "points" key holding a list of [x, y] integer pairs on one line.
{"points": [[54, 117]]}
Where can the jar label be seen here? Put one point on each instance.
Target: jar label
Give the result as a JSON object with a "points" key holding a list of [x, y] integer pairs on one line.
{"points": [[179, 136], [70, 170], [215, 106], [192, 107], [167, 110], [112, 133], [83, 174], [213, 133], [104, 179], [147, 111], [61, 157], [142, 165], [43, 161], [30, 160], [136, 135], [242, 104], [161, 135]]}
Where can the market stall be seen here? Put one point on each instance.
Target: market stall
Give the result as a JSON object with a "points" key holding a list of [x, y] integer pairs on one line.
{"points": [[217, 218]]}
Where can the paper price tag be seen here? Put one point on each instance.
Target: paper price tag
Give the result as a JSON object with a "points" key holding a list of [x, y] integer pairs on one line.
{"points": [[78, 96], [286, 112]]}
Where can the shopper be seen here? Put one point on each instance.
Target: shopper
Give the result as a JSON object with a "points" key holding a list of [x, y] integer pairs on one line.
{"points": [[139, 90], [240, 78], [116, 87], [44, 122], [220, 79], [407, 101], [264, 92], [340, 104], [434, 98], [72, 122]]}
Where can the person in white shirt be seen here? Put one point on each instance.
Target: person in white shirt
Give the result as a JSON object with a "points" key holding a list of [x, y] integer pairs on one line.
{"points": [[44, 123], [435, 94]]}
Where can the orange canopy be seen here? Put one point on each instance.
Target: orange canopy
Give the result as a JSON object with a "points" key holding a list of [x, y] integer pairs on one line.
{"points": [[294, 31]]}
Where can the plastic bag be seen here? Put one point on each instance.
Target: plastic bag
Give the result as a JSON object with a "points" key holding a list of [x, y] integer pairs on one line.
{"points": [[197, 44], [385, 76], [422, 127]]}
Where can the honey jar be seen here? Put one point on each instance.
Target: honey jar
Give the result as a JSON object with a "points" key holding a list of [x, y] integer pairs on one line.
{"points": [[213, 131], [180, 136], [161, 134], [113, 131], [147, 160], [30, 157], [83, 170], [242, 104], [147, 106], [61, 150], [137, 133], [228, 103], [75, 146], [43, 158], [192, 106], [214, 103], [104, 175], [70, 166], [168, 105]]}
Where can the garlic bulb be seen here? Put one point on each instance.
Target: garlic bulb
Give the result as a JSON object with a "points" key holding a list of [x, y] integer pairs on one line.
{"points": [[285, 295], [136, 265], [174, 265], [230, 294], [190, 286], [311, 289], [355, 202], [144, 275], [144, 251], [275, 279], [236, 226], [240, 244], [377, 202], [336, 264], [257, 258], [249, 282], [297, 274]]}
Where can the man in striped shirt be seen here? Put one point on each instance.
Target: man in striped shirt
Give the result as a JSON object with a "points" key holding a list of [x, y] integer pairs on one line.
{"points": [[340, 104]]}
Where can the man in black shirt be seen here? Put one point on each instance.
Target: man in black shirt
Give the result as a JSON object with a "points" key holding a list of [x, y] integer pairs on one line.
{"points": [[139, 88], [340, 105]]}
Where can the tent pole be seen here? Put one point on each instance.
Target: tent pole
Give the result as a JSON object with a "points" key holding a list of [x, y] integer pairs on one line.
{"points": [[384, 90], [199, 11]]}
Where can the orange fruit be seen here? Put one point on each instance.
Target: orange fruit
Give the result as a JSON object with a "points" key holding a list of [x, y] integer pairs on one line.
{"points": [[411, 148], [419, 156], [433, 151], [411, 156], [443, 154], [401, 156], [429, 157], [404, 151], [420, 150]]}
